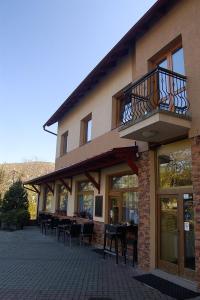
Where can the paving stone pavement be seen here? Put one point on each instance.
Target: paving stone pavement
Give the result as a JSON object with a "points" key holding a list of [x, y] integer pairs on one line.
{"points": [[35, 266]]}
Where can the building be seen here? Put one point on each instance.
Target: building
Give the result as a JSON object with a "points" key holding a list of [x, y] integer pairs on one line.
{"points": [[128, 140]]}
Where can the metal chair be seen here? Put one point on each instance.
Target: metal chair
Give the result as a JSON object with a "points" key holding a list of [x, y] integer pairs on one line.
{"points": [[73, 232], [87, 232]]}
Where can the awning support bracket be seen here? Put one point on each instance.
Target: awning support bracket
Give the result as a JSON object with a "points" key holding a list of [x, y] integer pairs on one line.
{"points": [[35, 190], [93, 180], [132, 165], [69, 188], [50, 188]]}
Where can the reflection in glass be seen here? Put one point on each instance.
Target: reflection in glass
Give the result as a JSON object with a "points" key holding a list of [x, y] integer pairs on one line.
{"points": [[89, 131], [178, 61], [48, 200], [168, 229], [126, 112], [163, 64], [189, 239], [86, 202], [85, 186], [86, 199], [130, 207], [115, 210], [164, 87], [126, 181], [63, 198], [175, 165]]}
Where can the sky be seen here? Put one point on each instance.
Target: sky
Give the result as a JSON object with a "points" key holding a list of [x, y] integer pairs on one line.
{"points": [[47, 47]]}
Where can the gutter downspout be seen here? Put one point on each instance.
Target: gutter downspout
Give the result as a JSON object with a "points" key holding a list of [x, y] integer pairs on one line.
{"points": [[44, 128]]}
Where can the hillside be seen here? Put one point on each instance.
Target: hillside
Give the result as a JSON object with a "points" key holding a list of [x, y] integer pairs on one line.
{"points": [[10, 172]]}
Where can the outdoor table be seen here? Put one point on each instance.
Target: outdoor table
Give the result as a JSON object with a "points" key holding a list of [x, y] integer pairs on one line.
{"points": [[62, 228], [115, 233], [131, 239], [126, 234]]}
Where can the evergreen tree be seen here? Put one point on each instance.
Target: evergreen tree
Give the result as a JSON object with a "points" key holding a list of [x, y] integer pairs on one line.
{"points": [[14, 208], [15, 198]]}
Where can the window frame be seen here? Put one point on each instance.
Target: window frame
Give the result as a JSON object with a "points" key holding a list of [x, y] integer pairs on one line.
{"points": [[59, 188], [47, 190], [84, 130], [166, 53], [64, 143], [82, 192]]}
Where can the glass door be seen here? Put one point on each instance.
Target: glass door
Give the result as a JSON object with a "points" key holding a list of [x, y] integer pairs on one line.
{"points": [[176, 238], [168, 233], [188, 235], [115, 210]]}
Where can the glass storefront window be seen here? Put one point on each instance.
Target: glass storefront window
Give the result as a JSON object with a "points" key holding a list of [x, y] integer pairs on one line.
{"points": [[189, 235], [130, 207], [168, 229], [124, 182], [48, 200], [85, 186], [174, 164], [85, 199], [124, 199], [62, 198]]}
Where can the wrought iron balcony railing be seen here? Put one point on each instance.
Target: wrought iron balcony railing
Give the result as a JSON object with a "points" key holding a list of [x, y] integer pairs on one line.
{"points": [[159, 90]]}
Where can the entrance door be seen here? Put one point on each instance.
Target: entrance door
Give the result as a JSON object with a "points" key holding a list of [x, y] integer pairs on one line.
{"points": [[115, 209], [176, 234]]}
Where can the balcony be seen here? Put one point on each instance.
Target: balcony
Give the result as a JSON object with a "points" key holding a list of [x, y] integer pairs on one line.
{"points": [[155, 108]]}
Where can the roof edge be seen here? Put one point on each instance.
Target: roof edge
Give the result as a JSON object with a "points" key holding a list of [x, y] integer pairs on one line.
{"points": [[139, 28]]}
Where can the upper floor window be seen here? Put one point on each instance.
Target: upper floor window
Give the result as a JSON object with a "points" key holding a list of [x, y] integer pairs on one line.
{"points": [[86, 130], [173, 61], [64, 143]]}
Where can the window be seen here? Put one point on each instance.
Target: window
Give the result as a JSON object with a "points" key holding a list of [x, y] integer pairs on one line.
{"points": [[171, 88], [86, 130], [126, 113], [125, 181], [48, 200], [64, 143], [175, 165], [62, 199], [174, 61], [85, 199], [123, 199]]}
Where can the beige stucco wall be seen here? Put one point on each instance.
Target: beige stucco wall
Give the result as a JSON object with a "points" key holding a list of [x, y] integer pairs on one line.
{"points": [[72, 198], [97, 146], [99, 103], [184, 20]]}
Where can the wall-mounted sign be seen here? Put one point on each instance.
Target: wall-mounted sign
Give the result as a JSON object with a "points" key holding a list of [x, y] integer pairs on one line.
{"points": [[98, 206], [186, 226]]}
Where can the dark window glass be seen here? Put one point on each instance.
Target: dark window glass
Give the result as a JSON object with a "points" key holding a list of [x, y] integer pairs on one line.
{"points": [[189, 236], [64, 143]]}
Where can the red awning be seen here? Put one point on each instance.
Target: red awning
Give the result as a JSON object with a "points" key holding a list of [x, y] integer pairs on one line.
{"points": [[94, 164]]}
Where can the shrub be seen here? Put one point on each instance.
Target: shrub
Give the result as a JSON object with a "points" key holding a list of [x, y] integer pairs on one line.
{"points": [[14, 208]]}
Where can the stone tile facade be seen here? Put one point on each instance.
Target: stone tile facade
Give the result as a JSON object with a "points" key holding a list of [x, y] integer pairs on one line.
{"points": [[144, 211], [196, 197]]}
